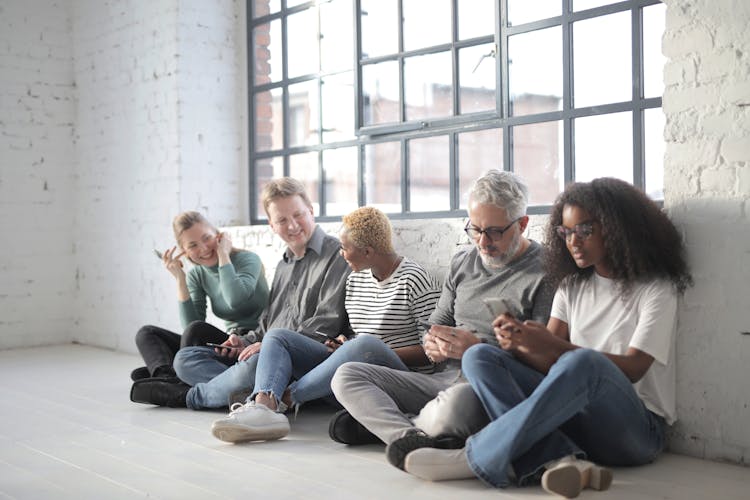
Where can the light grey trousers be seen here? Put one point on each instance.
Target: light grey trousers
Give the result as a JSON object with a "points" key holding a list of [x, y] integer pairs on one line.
{"points": [[389, 402]]}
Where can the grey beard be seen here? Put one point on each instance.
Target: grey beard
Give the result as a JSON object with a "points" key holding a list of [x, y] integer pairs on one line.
{"points": [[504, 258]]}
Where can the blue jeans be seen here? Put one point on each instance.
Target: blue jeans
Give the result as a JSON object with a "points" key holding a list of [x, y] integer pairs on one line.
{"points": [[584, 406], [214, 378], [286, 355]]}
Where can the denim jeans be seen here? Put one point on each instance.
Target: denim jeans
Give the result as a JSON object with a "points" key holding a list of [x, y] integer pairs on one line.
{"points": [[584, 406], [286, 355], [214, 378], [159, 346]]}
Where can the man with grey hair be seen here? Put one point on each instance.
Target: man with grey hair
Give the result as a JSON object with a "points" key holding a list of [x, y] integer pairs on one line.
{"points": [[440, 410]]}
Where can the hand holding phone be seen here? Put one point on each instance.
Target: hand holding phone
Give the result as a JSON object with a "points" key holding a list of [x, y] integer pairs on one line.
{"points": [[328, 336]]}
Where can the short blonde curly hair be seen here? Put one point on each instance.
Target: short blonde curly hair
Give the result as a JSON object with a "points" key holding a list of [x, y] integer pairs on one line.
{"points": [[369, 227]]}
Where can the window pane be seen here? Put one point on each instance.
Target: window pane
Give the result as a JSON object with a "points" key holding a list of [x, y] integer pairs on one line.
{"points": [[590, 4], [269, 120], [477, 77], [380, 93], [604, 147], [303, 113], [265, 170], [267, 39], [654, 152], [383, 176], [340, 167], [653, 59], [524, 11], [302, 34], [336, 36], [418, 31], [602, 65], [263, 7], [379, 27], [429, 183], [304, 168], [294, 3], [478, 152], [428, 84], [338, 107], [537, 158], [535, 71], [475, 18]]}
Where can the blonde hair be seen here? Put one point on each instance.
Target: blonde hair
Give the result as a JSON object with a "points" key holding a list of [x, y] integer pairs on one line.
{"points": [[369, 227], [283, 187], [186, 220]]}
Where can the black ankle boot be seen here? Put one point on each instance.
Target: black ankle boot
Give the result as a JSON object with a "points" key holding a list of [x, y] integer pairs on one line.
{"points": [[170, 392], [396, 451], [345, 429], [139, 373]]}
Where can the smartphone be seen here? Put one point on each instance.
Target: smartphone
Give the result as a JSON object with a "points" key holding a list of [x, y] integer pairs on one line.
{"points": [[425, 325], [158, 254], [329, 336], [497, 306], [219, 346]]}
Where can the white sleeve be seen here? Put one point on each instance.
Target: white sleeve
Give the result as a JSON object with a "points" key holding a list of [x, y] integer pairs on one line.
{"points": [[561, 305], [657, 314]]}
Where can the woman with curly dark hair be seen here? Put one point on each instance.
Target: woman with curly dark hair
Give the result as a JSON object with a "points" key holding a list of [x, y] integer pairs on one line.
{"points": [[598, 381]]}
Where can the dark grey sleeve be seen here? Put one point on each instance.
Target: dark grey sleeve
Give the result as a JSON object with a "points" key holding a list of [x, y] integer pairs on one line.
{"points": [[330, 314]]}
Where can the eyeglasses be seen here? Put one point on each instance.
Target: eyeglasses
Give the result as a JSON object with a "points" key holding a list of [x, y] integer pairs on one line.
{"points": [[583, 230], [493, 233]]}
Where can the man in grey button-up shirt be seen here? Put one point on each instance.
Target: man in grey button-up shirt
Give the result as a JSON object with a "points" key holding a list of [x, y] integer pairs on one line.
{"points": [[307, 295]]}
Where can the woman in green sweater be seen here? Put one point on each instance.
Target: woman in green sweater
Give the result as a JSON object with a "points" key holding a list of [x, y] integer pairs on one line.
{"points": [[231, 278]]}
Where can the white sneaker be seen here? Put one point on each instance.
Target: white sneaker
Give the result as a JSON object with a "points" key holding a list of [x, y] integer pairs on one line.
{"points": [[250, 422], [434, 464], [569, 475]]}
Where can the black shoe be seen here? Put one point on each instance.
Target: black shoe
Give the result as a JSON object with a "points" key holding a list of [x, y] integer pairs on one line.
{"points": [[343, 428], [139, 373], [164, 371], [160, 391], [396, 451]]}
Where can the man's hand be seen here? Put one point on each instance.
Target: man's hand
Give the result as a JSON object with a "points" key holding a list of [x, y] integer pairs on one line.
{"points": [[332, 345], [452, 342], [432, 350], [249, 351]]}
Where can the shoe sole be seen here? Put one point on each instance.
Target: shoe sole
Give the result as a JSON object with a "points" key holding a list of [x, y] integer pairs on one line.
{"points": [[237, 434], [569, 481]]}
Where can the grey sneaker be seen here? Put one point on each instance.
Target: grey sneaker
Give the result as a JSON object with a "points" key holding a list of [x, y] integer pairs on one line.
{"points": [[250, 422]]}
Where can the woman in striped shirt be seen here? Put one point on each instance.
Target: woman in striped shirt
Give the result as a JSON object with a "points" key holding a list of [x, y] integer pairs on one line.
{"points": [[387, 295]]}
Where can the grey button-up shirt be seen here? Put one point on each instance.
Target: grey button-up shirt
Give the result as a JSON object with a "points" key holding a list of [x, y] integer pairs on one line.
{"points": [[308, 294]]}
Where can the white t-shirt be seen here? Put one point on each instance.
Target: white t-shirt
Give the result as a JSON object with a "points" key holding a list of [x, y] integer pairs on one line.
{"points": [[599, 318]]}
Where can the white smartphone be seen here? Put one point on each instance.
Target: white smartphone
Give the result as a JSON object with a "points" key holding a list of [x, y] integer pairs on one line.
{"points": [[497, 306]]}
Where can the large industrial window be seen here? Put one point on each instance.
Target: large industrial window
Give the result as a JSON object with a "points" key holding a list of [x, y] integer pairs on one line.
{"points": [[400, 104]]}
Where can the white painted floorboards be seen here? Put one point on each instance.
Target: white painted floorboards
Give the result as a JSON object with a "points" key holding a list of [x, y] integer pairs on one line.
{"points": [[69, 431]]}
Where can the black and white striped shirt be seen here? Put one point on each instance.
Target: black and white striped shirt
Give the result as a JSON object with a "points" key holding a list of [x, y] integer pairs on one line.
{"points": [[390, 309]]}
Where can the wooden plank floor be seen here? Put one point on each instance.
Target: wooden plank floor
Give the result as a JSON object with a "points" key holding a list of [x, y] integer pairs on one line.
{"points": [[69, 431]]}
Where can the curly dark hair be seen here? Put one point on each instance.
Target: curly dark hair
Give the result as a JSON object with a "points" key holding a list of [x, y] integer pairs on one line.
{"points": [[639, 239]]}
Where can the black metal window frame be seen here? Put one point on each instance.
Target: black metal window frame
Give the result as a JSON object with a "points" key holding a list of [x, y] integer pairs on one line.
{"points": [[453, 125]]}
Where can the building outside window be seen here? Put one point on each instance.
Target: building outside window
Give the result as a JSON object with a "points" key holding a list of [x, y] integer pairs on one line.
{"points": [[374, 102]]}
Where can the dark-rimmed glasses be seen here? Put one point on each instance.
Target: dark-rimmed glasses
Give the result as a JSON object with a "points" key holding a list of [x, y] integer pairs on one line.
{"points": [[583, 230], [493, 233]]}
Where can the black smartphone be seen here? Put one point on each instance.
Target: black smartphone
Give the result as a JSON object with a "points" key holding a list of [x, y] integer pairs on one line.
{"points": [[158, 254], [424, 324], [329, 336], [219, 346]]}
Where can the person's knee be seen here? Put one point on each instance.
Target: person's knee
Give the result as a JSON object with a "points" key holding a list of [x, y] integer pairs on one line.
{"points": [[582, 360], [193, 334], [278, 336], [364, 346], [184, 359], [345, 375], [456, 411], [143, 335]]}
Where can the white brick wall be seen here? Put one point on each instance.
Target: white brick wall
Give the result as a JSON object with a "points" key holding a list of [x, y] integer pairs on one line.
{"points": [[116, 115], [37, 102], [707, 103]]}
